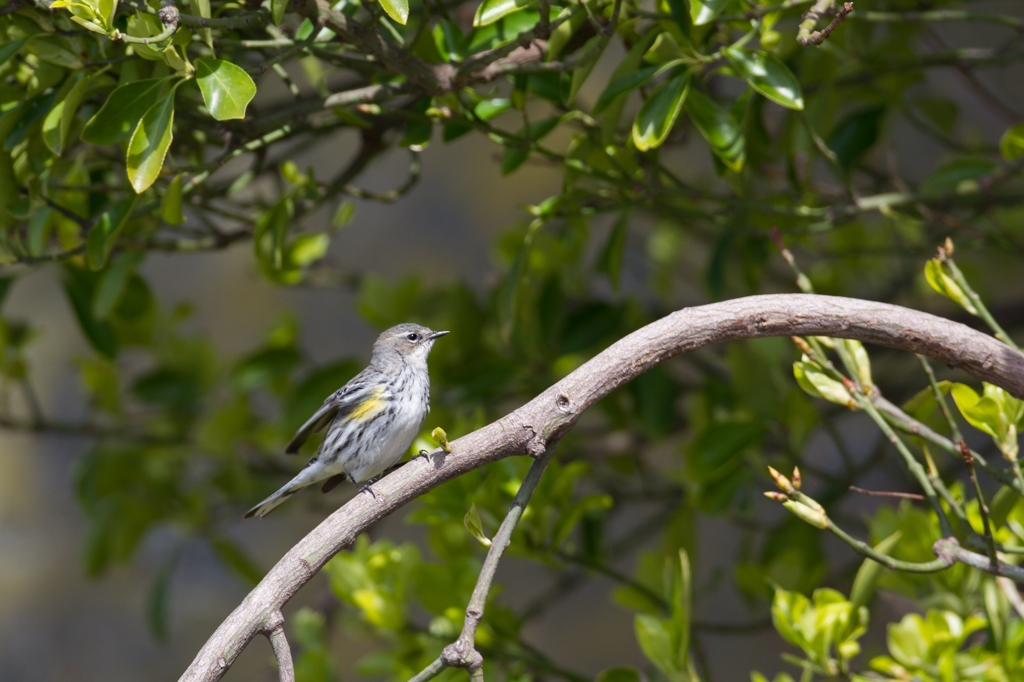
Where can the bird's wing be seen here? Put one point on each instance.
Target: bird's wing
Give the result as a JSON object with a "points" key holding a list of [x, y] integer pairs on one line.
{"points": [[343, 401]]}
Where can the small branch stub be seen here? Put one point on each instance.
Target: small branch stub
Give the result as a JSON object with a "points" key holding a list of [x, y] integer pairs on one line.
{"points": [[805, 37]]}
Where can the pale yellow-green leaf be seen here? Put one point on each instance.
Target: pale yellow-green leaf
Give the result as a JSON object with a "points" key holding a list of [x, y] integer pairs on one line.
{"points": [[936, 275], [475, 527]]}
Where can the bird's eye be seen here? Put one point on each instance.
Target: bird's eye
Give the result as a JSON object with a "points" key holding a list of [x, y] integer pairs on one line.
{"points": [[413, 337]]}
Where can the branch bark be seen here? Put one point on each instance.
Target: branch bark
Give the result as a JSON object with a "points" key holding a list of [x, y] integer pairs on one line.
{"points": [[546, 418]]}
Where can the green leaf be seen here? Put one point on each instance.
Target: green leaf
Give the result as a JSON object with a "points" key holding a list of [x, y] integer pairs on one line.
{"points": [[610, 260], [308, 248], [681, 607], [628, 65], [475, 527], [923, 403], [490, 11], [170, 205], [813, 379], [626, 83], [658, 114], [343, 214], [582, 72], [9, 49], [768, 75], [120, 114], [270, 233], [982, 413], [715, 450], [559, 37], [960, 175], [227, 89], [1011, 145], [149, 144], [103, 234], [79, 284], [718, 127], [704, 11], [277, 8], [487, 109], [855, 134], [52, 123], [397, 10], [113, 283], [935, 273], [202, 8], [656, 642]]}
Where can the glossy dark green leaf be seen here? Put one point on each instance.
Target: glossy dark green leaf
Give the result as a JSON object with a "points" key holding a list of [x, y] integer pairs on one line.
{"points": [[121, 113], [658, 114], [227, 89], [768, 75], [855, 134], [718, 127], [103, 234], [397, 10], [149, 144]]}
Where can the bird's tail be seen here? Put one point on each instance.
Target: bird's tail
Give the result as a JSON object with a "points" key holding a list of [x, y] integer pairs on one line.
{"points": [[305, 477], [271, 503]]}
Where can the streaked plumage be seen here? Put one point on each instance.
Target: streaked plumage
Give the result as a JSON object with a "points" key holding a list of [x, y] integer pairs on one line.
{"points": [[371, 420]]}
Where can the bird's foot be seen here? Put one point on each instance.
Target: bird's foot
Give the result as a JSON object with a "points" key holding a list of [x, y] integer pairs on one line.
{"points": [[365, 488]]}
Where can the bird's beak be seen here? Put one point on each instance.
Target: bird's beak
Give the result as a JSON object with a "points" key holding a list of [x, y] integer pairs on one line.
{"points": [[436, 335]]}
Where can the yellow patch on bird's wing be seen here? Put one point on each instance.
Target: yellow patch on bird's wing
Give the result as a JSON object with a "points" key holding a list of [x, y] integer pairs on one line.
{"points": [[369, 407]]}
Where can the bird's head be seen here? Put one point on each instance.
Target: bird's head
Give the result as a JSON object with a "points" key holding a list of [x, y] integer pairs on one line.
{"points": [[411, 342]]}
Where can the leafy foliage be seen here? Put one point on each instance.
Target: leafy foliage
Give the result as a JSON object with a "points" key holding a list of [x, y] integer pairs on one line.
{"points": [[685, 132]]}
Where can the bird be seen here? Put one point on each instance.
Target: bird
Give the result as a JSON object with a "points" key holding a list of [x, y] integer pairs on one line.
{"points": [[370, 421]]}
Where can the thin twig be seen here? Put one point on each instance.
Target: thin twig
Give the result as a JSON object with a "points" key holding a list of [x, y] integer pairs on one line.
{"points": [[880, 493], [982, 505]]}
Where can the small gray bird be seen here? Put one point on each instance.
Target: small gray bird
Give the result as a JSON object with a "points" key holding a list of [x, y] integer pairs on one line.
{"points": [[371, 420]]}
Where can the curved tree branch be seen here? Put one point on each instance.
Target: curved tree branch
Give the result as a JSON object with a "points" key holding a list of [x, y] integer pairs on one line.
{"points": [[546, 418]]}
